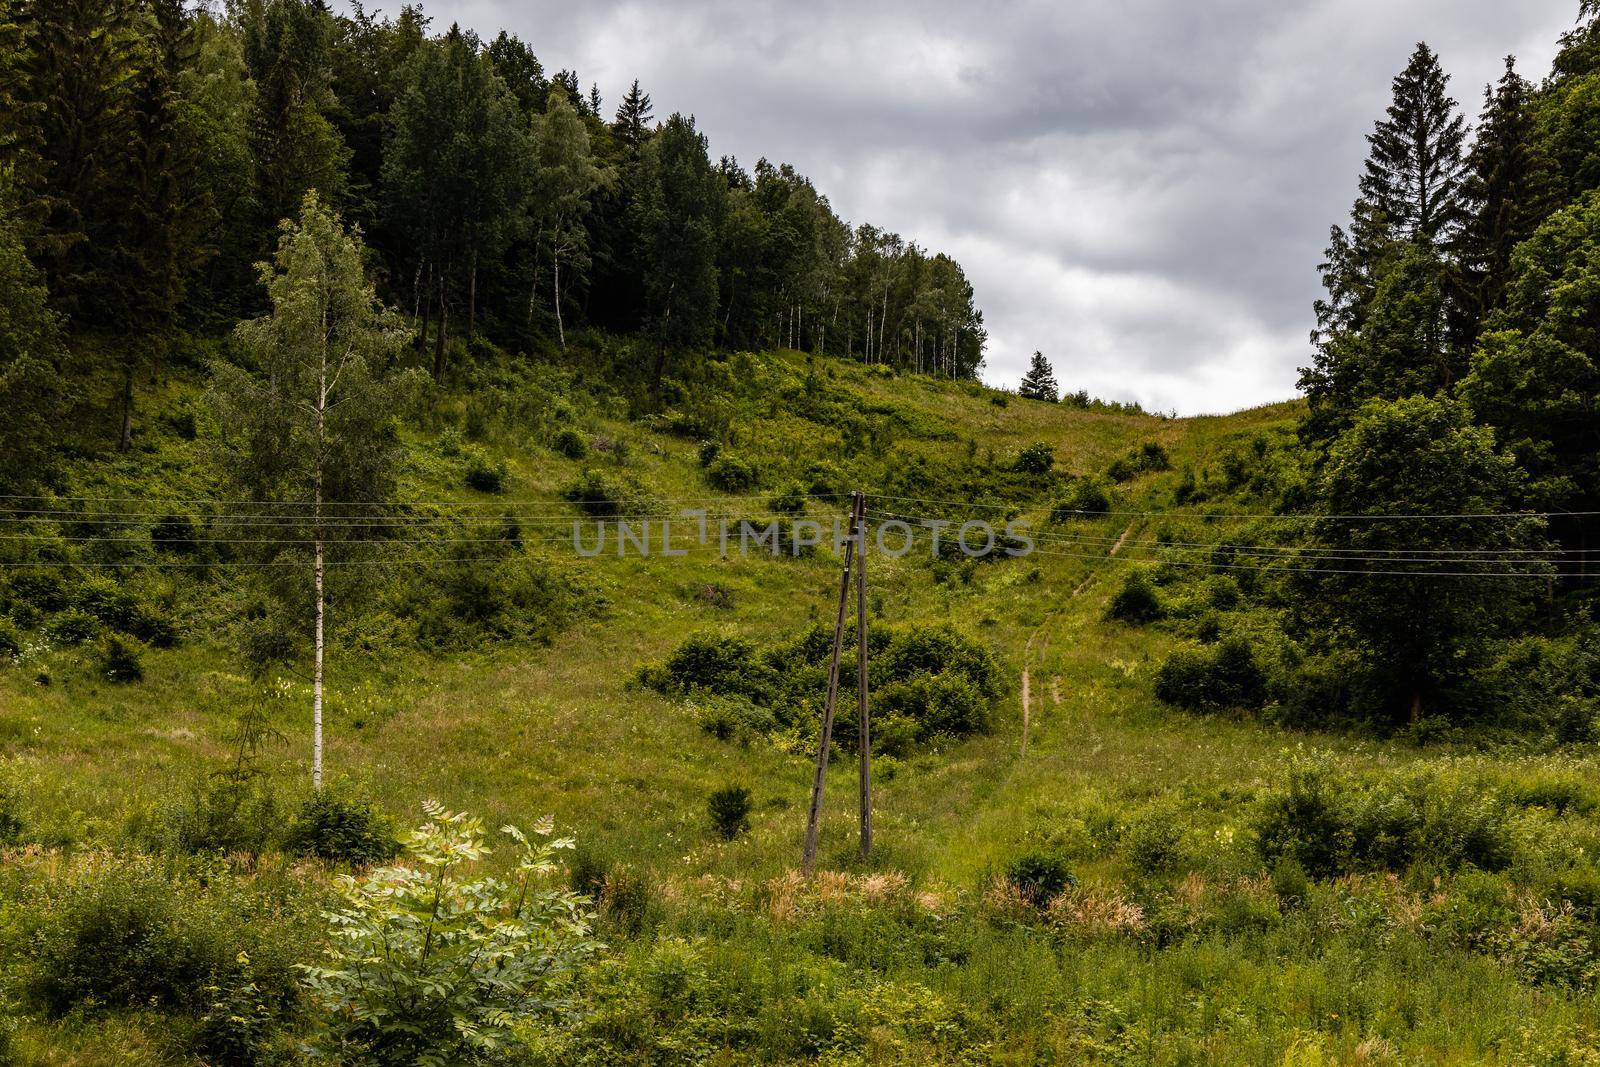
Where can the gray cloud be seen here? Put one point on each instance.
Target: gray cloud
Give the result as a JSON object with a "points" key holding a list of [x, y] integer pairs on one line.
{"points": [[1142, 190]]}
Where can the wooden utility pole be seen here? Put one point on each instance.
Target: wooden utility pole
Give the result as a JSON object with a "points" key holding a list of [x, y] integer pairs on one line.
{"points": [[863, 714], [814, 817]]}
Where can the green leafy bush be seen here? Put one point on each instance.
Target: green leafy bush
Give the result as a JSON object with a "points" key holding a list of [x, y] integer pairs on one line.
{"points": [[1332, 824], [12, 823], [1152, 842], [129, 931], [733, 474], [73, 626], [1137, 601], [570, 443], [791, 500], [729, 811], [482, 473], [119, 661], [946, 704], [1037, 458], [1039, 876], [10, 638], [1085, 497], [715, 662], [601, 496], [426, 965], [333, 825], [1207, 679], [174, 533]]}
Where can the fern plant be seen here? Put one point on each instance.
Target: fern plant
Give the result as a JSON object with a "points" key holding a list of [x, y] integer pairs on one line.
{"points": [[425, 965]]}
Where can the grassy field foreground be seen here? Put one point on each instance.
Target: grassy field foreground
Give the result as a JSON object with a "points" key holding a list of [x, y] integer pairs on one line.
{"points": [[1142, 885]]}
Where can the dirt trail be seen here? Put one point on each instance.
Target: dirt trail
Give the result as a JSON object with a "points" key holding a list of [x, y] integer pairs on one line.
{"points": [[1027, 651]]}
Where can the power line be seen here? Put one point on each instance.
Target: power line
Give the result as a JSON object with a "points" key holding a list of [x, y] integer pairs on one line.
{"points": [[1418, 516]]}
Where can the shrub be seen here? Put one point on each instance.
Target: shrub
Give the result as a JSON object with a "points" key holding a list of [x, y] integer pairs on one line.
{"points": [[10, 638], [1040, 877], [1153, 456], [482, 473], [570, 443], [943, 704], [72, 627], [1037, 458], [174, 533], [11, 821], [119, 661], [717, 663], [333, 825], [791, 500], [708, 452], [1331, 825], [599, 496], [424, 965], [1203, 680], [1084, 497], [129, 931], [1152, 842], [108, 602], [1137, 601], [729, 810], [41, 590], [1305, 823], [732, 474]]}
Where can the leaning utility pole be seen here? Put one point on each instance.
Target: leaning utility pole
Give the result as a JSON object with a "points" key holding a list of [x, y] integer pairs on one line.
{"points": [[863, 715], [814, 817]]}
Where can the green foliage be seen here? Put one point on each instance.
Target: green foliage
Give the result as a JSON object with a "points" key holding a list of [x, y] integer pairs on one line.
{"points": [[1085, 497], [570, 443], [1138, 601], [733, 474], [790, 500], [1040, 877], [729, 811], [119, 661], [1416, 635], [928, 682], [1040, 381], [1148, 458], [425, 965], [1037, 458], [334, 825], [127, 931], [482, 473], [1209, 679], [73, 626], [1330, 824]]}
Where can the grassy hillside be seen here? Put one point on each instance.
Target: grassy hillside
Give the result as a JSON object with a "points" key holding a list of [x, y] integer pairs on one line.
{"points": [[1176, 935]]}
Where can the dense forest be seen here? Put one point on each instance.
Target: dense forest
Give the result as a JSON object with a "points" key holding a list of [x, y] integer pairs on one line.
{"points": [[151, 150]]}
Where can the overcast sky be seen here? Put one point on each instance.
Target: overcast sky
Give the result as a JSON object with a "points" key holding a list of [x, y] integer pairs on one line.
{"points": [[1139, 189]]}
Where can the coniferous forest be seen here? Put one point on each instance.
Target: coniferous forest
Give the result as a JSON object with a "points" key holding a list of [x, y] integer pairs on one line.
{"points": [[421, 621]]}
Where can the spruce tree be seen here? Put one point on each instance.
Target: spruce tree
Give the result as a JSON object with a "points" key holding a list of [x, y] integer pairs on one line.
{"points": [[1414, 171], [632, 124], [1505, 196], [1040, 381], [678, 216]]}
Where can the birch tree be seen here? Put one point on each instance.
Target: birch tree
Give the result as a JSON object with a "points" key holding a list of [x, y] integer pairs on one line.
{"points": [[307, 424], [565, 176]]}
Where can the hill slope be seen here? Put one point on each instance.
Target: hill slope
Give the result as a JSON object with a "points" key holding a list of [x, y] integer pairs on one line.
{"points": [[500, 673]]}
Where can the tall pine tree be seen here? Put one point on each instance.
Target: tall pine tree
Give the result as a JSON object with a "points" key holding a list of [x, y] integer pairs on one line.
{"points": [[1040, 381], [1414, 171], [1505, 195]]}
